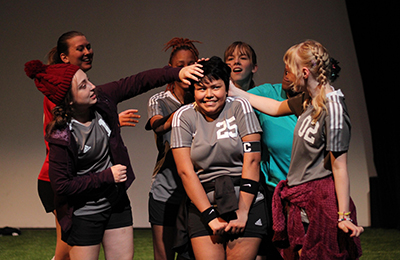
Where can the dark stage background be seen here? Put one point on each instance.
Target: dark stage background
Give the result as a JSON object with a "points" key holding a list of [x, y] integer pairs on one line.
{"points": [[374, 29], [128, 36]]}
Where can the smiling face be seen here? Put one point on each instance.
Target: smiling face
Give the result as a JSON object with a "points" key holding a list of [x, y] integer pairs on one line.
{"points": [[241, 65], [210, 97], [83, 95], [80, 53]]}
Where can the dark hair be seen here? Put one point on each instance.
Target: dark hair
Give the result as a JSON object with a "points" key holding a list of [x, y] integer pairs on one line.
{"points": [[178, 44], [53, 57], [334, 69], [62, 114], [214, 69]]}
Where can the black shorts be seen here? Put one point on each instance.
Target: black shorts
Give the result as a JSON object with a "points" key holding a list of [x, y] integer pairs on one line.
{"points": [[46, 195], [89, 229], [266, 247], [256, 223], [162, 213]]}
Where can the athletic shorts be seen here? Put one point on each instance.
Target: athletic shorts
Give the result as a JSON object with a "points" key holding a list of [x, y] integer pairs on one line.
{"points": [[266, 247], [46, 195], [256, 223], [162, 213], [89, 229]]}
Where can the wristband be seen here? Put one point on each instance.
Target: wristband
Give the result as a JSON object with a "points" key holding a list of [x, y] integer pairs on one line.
{"points": [[345, 218], [249, 186], [209, 214]]}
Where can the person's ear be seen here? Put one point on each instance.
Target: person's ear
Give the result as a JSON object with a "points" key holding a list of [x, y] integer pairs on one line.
{"points": [[255, 68], [305, 72], [64, 58]]}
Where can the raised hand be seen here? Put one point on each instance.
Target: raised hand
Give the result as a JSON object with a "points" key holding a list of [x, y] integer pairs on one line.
{"points": [[129, 118], [192, 72]]}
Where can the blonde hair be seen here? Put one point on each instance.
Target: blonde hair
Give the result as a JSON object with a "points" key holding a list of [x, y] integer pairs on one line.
{"points": [[312, 55]]}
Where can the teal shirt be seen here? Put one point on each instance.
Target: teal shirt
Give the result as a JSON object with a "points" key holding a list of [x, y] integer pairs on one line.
{"points": [[277, 137]]}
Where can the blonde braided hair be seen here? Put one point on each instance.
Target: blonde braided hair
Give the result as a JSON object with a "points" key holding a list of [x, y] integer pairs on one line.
{"points": [[315, 57]]}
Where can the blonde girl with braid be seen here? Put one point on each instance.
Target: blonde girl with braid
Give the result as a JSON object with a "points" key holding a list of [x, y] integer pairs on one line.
{"points": [[312, 208], [166, 192]]}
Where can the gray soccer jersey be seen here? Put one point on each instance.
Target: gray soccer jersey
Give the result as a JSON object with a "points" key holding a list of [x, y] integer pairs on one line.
{"points": [[216, 147], [93, 156], [312, 142], [164, 184]]}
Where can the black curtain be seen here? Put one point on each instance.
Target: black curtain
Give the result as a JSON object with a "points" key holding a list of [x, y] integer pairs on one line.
{"points": [[374, 26]]}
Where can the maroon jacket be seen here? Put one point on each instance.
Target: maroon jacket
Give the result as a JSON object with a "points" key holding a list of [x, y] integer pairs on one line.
{"points": [[324, 240], [71, 189]]}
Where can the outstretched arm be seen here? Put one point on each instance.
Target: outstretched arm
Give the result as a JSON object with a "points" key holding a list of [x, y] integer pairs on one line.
{"points": [[263, 104]]}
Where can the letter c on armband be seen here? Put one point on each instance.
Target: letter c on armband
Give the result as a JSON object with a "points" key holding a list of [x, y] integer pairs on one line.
{"points": [[251, 147]]}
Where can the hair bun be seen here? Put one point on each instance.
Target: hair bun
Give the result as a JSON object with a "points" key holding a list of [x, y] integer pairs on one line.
{"points": [[335, 69], [34, 67]]}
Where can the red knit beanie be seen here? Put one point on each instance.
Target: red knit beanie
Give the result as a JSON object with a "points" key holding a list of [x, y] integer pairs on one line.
{"points": [[53, 81]]}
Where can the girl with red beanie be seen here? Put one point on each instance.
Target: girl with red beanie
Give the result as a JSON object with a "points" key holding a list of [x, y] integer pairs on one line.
{"points": [[73, 48], [89, 166]]}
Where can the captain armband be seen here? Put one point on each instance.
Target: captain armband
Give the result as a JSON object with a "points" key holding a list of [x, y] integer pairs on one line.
{"points": [[249, 186], [251, 147]]}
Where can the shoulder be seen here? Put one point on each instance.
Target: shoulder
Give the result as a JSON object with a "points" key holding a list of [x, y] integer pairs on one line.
{"points": [[185, 111], [241, 103], [266, 89], [296, 103], [335, 102], [59, 136], [160, 95]]}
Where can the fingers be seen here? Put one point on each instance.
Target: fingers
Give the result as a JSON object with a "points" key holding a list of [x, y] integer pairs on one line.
{"points": [[129, 118], [202, 59], [356, 231], [131, 110], [119, 173], [218, 226], [234, 229], [192, 72]]}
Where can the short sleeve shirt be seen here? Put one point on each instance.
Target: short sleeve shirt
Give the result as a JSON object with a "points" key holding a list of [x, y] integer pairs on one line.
{"points": [[277, 137], [216, 147], [166, 184], [93, 156], [313, 141]]}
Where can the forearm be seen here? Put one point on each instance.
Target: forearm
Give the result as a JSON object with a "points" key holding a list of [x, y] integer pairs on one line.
{"points": [[160, 124], [263, 104], [342, 181], [195, 191], [65, 182], [190, 180], [250, 171], [134, 85]]}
